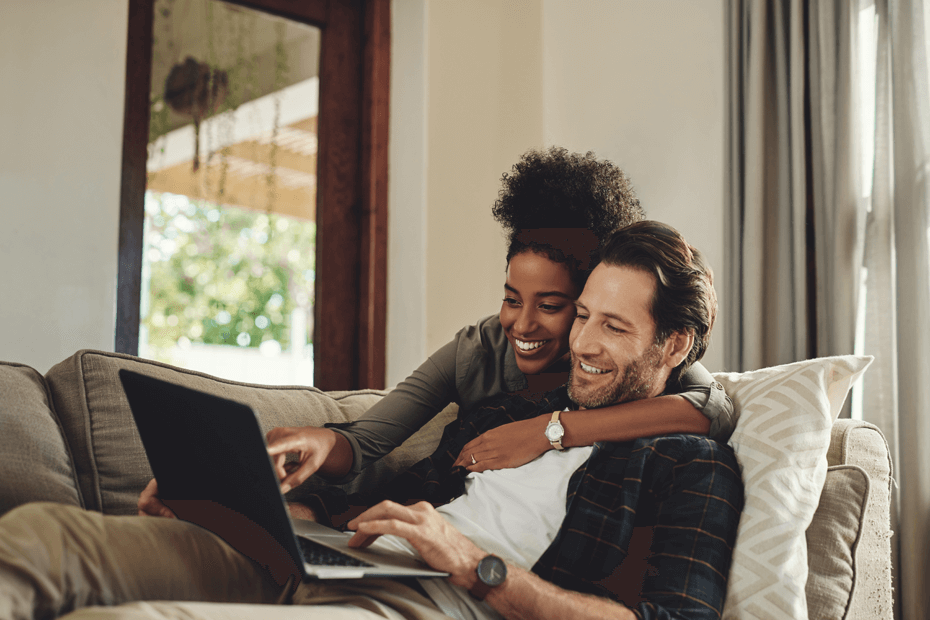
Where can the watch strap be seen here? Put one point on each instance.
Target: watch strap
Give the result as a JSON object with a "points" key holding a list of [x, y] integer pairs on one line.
{"points": [[479, 590]]}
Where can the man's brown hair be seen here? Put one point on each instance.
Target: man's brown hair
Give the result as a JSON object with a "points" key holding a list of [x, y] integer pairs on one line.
{"points": [[684, 299]]}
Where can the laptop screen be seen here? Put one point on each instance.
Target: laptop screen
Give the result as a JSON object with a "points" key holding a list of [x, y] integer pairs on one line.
{"points": [[213, 469]]}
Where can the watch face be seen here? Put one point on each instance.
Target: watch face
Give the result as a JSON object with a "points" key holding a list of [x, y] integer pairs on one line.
{"points": [[492, 570], [554, 431]]}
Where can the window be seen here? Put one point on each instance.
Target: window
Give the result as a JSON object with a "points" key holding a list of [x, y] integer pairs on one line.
{"points": [[228, 260], [867, 51], [350, 213]]}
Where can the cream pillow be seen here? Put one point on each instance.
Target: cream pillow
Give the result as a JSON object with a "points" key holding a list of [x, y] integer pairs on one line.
{"points": [[784, 416]]}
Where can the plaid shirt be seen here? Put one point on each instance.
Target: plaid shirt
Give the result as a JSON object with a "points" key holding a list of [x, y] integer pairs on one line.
{"points": [[686, 486]]}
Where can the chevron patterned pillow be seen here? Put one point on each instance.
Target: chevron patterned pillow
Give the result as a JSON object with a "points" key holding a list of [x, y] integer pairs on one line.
{"points": [[785, 414]]}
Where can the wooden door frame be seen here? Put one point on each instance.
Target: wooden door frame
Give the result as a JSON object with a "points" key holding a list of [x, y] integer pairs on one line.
{"points": [[351, 249]]}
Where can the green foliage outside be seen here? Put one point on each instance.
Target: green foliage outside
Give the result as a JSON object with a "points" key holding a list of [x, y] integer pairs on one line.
{"points": [[224, 275]]}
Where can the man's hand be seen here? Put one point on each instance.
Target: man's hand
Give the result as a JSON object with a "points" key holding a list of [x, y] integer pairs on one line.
{"points": [[442, 546], [312, 446], [522, 595], [151, 505], [510, 445]]}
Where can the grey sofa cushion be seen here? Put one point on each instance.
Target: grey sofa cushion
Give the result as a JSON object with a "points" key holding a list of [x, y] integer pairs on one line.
{"points": [[832, 540], [35, 461], [110, 462]]}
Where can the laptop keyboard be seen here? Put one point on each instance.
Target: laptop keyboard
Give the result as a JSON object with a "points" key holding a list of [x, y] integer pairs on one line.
{"points": [[316, 554]]}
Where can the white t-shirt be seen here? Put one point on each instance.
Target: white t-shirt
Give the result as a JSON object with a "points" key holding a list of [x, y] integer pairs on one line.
{"points": [[512, 513]]}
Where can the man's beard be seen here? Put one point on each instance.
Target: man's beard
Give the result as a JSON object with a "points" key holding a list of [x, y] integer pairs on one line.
{"points": [[636, 381]]}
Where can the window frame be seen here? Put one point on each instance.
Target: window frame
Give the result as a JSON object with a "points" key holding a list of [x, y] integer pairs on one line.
{"points": [[351, 251]]}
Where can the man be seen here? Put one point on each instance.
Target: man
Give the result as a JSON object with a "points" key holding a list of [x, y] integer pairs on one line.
{"points": [[564, 522]]}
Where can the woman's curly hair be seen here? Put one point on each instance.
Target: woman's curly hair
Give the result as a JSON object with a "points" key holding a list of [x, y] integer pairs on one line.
{"points": [[549, 193]]}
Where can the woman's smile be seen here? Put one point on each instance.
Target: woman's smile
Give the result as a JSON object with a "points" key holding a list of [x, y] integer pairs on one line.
{"points": [[529, 347]]}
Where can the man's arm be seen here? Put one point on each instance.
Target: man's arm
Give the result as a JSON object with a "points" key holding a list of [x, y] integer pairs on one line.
{"points": [[522, 595], [525, 595]]}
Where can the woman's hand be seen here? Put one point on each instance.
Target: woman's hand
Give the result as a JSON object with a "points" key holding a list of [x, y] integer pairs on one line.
{"points": [[510, 445], [151, 505], [312, 446]]}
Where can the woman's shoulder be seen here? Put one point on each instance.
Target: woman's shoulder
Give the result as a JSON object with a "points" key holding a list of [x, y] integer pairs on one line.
{"points": [[485, 335], [485, 362]]}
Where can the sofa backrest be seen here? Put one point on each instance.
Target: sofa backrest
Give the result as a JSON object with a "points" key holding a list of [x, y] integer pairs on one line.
{"points": [[110, 461]]}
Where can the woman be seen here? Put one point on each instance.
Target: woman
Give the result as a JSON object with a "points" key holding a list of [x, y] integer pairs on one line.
{"points": [[556, 207]]}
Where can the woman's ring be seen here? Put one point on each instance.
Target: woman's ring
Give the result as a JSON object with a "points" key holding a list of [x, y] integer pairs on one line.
{"points": [[473, 461]]}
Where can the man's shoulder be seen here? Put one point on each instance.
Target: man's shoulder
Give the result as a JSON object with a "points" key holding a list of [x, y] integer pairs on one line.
{"points": [[693, 464], [681, 448]]}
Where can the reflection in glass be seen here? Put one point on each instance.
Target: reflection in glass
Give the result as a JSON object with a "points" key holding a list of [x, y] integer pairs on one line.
{"points": [[229, 252]]}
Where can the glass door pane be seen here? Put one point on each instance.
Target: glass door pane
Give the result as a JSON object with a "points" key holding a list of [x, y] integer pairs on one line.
{"points": [[230, 238]]}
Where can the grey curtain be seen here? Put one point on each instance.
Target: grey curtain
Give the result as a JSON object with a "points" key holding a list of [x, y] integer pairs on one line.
{"points": [[804, 244], [793, 182]]}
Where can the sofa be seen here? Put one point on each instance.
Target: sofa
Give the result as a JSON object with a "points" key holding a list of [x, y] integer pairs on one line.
{"points": [[68, 437]]}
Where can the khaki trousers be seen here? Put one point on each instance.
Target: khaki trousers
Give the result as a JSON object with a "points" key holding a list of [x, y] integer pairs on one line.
{"points": [[55, 559]]}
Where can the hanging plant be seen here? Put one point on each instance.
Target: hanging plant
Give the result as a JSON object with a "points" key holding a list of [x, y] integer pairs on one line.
{"points": [[195, 89], [159, 121], [242, 80], [281, 71]]}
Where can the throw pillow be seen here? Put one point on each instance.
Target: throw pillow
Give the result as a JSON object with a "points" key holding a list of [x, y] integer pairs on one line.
{"points": [[782, 433]]}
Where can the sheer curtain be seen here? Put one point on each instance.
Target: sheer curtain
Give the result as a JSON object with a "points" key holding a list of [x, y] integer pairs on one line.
{"points": [[896, 391], [828, 220]]}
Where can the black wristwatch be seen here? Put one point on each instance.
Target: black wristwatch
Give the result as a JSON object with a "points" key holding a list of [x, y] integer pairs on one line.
{"points": [[491, 571]]}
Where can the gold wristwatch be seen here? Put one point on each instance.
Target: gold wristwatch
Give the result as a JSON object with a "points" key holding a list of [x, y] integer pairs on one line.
{"points": [[555, 431]]}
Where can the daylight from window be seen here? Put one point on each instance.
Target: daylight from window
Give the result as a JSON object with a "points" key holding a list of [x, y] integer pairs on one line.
{"points": [[867, 57], [228, 291]]}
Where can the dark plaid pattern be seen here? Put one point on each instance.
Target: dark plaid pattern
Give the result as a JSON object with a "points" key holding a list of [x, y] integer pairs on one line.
{"points": [[687, 487]]}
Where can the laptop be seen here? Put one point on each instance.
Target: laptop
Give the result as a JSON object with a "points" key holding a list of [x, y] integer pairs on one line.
{"points": [[213, 469]]}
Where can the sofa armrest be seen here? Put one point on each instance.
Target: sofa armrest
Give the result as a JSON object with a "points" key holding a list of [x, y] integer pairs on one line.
{"points": [[857, 443]]}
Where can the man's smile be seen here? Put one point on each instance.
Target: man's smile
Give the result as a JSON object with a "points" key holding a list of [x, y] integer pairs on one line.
{"points": [[592, 370]]}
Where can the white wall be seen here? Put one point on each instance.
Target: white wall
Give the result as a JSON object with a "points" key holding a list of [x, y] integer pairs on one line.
{"points": [[639, 82], [485, 109], [474, 85], [462, 113], [642, 83], [406, 312], [62, 70]]}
